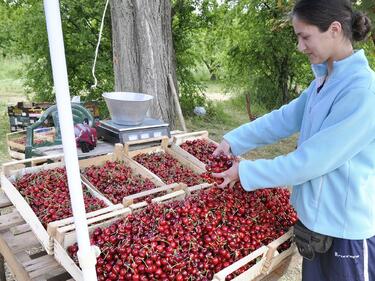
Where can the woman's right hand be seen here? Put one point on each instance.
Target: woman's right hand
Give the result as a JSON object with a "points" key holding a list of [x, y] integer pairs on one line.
{"points": [[223, 148]]}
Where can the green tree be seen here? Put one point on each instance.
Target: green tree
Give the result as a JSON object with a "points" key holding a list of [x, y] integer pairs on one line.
{"points": [[263, 60], [80, 20], [185, 27]]}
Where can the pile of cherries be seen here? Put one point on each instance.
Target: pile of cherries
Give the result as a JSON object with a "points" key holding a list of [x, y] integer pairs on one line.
{"points": [[47, 193], [168, 168], [202, 149], [116, 180], [191, 239]]}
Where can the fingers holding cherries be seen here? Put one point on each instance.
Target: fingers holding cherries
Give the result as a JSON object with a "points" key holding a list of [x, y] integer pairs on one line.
{"points": [[222, 148], [224, 168]]}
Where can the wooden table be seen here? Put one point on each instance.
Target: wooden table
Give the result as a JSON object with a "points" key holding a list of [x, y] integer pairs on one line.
{"points": [[17, 248], [100, 149]]}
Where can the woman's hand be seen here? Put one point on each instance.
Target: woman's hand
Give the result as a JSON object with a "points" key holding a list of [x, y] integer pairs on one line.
{"points": [[223, 148], [229, 176]]}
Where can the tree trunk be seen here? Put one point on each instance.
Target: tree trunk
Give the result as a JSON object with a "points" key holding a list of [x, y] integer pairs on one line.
{"points": [[143, 53], [283, 79]]}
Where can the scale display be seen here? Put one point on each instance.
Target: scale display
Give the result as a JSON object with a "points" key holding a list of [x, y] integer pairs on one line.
{"points": [[115, 133]]}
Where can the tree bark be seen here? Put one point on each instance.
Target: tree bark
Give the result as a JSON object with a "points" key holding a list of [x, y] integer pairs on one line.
{"points": [[143, 53]]}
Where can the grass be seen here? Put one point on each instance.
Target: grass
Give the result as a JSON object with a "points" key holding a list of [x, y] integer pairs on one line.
{"points": [[11, 92], [233, 114]]}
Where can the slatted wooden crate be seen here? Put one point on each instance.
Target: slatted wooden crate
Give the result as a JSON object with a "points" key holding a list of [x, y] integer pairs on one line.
{"points": [[11, 172], [181, 138], [266, 258], [162, 147], [16, 141], [65, 234], [137, 169]]}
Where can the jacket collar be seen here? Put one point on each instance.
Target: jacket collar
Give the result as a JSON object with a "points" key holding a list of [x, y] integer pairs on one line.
{"points": [[357, 59]]}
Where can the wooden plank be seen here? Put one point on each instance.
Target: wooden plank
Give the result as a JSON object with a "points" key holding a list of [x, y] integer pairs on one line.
{"points": [[2, 269], [16, 155], [277, 273], [64, 259], [97, 161], [19, 229], [251, 273], [176, 195], [164, 142], [52, 226], [4, 201], [129, 200], [20, 242], [192, 189], [11, 219], [178, 139], [43, 267], [16, 268]]}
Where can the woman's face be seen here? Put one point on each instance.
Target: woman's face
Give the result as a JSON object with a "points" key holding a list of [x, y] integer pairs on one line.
{"points": [[317, 45]]}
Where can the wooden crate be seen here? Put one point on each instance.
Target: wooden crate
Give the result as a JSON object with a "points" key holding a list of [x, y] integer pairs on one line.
{"points": [[118, 155], [10, 173], [268, 260], [11, 141], [181, 138], [162, 147], [16, 150], [65, 234]]}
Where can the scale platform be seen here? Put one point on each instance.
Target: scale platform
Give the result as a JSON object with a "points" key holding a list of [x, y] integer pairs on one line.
{"points": [[115, 133]]}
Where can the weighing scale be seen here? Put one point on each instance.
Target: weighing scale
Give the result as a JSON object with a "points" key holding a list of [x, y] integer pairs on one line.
{"points": [[115, 133]]}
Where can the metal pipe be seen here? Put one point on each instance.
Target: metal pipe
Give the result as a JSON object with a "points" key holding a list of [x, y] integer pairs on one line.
{"points": [[87, 258]]}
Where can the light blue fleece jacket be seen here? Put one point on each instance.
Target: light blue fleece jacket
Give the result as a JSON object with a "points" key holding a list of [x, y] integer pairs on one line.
{"points": [[332, 169]]}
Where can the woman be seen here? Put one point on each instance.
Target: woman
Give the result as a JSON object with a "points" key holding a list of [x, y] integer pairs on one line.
{"points": [[332, 169]]}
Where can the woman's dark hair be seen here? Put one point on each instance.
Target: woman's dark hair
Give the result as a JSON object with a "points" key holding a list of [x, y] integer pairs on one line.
{"points": [[322, 13]]}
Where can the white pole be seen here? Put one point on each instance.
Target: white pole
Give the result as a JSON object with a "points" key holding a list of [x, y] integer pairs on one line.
{"points": [[86, 256]]}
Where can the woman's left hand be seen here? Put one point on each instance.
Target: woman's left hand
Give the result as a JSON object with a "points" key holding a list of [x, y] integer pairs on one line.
{"points": [[229, 176]]}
